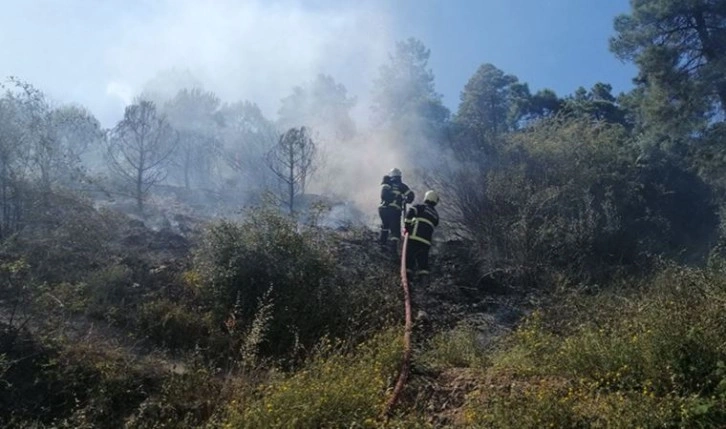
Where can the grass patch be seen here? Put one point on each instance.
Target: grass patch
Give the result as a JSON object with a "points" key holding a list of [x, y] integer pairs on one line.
{"points": [[458, 348]]}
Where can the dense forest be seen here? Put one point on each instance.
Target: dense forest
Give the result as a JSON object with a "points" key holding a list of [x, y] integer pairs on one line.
{"points": [[199, 264]]}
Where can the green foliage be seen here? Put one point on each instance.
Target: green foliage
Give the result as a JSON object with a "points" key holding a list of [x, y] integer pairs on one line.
{"points": [[73, 298], [680, 91], [492, 103], [110, 289], [106, 384], [406, 84], [598, 104], [666, 123], [456, 348], [572, 191], [240, 262], [568, 196], [15, 283], [708, 158], [551, 199], [84, 384], [88, 383], [173, 325], [185, 399], [253, 338], [651, 357], [676, 44], [335, 389]]}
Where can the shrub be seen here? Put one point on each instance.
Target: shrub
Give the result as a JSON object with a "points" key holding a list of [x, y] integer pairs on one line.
{"points": [[238, 263], [110, 289], [16, 286], [458, 347], [78, 384], [650, 356], [335, 389], [173, 325], [186, 399], [568, 196]]}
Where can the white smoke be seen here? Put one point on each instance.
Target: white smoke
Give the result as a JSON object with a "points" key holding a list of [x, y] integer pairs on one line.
{"points": [[253, 50], [259, 51], [103, 56]]}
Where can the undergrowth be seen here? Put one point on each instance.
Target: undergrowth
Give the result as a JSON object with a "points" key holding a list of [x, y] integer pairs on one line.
{"points": [[337, 388], [643, 355]]}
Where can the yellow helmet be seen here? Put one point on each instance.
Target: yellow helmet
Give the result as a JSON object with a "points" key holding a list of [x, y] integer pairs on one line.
{"points": [[431, 197], [395, 172]]}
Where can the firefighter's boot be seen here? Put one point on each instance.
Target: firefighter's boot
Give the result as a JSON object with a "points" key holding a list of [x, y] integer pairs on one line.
{"points": [[393, 247], [383, 238]]}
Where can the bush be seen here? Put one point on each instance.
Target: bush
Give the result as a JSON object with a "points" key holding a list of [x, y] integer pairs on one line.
{"points": [[173, 325], [568, 196], [184, 400], [239, 263], [110, 289], [458, 347], [652, 356], [335, 389], [82, 384]]}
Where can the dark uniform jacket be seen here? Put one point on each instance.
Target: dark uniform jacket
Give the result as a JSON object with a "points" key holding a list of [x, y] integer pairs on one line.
{"points": [[421, 220], [395, 193]]}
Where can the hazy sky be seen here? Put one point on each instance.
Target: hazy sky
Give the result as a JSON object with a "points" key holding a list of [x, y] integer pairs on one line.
{"points": [[102, 53]]}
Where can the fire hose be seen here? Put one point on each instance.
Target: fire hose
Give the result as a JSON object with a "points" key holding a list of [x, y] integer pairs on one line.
{"points": [[408, 328]]}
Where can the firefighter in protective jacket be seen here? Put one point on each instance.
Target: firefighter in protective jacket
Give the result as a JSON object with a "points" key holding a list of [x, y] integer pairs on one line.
{"points": [[421, 220], [394, 195]]}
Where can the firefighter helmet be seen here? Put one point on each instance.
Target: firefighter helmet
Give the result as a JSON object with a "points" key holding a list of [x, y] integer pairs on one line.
{"points": [[395, 172], [431, 197]]}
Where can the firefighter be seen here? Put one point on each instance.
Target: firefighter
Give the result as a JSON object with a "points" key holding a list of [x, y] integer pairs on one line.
{"points": [[394, 195], [421, 220]]}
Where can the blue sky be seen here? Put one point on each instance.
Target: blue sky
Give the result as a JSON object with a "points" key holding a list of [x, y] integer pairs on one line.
{"points": [[556, 44], [102, 53]]}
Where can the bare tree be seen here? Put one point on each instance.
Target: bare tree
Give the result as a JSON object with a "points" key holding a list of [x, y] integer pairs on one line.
{"points": [[140, 147], [292, 160]]}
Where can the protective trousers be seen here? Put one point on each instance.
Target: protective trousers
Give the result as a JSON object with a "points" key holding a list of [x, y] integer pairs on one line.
{"points": [[390, 224], [417, 258]]}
